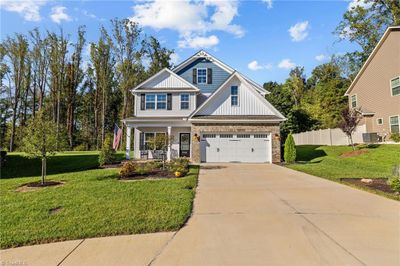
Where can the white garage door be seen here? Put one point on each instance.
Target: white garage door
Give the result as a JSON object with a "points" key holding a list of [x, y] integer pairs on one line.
{"points": [[235, 147]]}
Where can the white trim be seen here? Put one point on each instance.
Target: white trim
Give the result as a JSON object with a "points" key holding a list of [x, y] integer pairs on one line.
{"points": [[197, 76], [390, 85], [377, 121], [180, 101], [370, 57], [237, 120], [190, 85], [156, 101], [398, 123], [237, 95]]}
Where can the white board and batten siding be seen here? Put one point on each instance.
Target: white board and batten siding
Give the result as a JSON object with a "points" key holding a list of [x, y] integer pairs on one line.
{"points": [[249, 102], [166, 80]]}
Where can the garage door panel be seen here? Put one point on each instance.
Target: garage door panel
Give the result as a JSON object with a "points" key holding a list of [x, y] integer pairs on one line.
{"points": [[232, 147]]}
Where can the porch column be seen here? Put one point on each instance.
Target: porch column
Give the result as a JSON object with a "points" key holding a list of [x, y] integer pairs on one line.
{"points": [[136, 143], [169, 144], [128, 143]]}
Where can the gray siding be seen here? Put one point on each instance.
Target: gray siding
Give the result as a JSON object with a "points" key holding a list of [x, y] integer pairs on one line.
{"points": [[219, 75]]}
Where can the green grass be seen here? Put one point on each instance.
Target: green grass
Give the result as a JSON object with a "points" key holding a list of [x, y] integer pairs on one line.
{"points": [[325, 161], [94, 203]]}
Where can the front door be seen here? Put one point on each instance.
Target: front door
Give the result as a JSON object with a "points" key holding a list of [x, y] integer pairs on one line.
{"points": [[184, 145]]}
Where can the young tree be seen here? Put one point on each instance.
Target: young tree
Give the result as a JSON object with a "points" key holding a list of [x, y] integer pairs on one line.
{"points": [[107, 153], [350, 120], [40, 139], [290, 149]]}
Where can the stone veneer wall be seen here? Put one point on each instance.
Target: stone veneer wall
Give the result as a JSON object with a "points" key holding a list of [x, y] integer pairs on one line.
{"points": [[199, 128]]}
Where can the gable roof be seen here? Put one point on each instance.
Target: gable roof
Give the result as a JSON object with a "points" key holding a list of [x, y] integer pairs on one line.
{"points": [[165, 79], [250, 87], [219, 63], [371, 56]]}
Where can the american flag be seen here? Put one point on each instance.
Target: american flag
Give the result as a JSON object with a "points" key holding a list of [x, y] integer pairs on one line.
{"points": [[117, 137]]}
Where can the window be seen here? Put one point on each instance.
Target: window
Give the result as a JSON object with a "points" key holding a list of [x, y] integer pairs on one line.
{"points": [[209, 136], [394, 124], [234, 96], [156, 101], [148, 137], [184, 101], [243, 136], [354, 101], [202, 76], [379, 121], [395, 86], [226, 136], [161, 101], [150, 101], [260, 136]]}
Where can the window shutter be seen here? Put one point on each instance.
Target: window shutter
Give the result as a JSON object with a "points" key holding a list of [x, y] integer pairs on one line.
{"points": [[194, 75], [142, 101], [169, 101], [209, 75], [141, 141]]}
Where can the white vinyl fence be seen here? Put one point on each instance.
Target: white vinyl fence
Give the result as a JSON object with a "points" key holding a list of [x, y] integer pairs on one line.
{"points": [[330, 136]]}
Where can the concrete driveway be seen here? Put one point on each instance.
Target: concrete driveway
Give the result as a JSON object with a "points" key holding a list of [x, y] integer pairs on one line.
{"points": [[251, 214], [268, 215]]}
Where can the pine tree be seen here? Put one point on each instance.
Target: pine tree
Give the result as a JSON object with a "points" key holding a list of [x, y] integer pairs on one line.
{"points": [[290, 149]]}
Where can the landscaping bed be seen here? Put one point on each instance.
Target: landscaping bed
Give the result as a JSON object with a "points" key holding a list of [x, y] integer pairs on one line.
{"points": [[379, 184]]}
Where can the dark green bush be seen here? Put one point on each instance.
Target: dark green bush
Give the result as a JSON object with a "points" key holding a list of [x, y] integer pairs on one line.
{"points": [[395, 137], [3, 155], [107, 153], [394, 180], [289, 153]]}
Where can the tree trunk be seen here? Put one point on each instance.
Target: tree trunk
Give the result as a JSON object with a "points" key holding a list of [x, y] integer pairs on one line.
{"points": [[14, 117], [43, 170], [351, 142]]}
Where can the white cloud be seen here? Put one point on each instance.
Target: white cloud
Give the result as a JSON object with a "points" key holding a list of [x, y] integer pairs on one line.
{"points": [[286, 64], [321, 57], [58, 14], [269, 3], [198, 42], [191, 19], [361, 3], [28, 9], [254, 65], [299, 32], [174, 58]]}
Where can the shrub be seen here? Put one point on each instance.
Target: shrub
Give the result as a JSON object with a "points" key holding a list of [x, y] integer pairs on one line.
{"points": [[80, 147], [179, 165], [289, 153], [107, 153], [128, 169], [394, 180], [395, 137], [3, 155]]}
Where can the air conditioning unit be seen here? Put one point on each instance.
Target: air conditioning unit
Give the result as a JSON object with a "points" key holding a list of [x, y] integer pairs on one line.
{"points": [[370, 137]]}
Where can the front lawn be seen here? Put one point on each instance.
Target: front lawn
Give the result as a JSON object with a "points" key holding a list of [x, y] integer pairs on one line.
{"points": [[377, 161], [91, 202]]}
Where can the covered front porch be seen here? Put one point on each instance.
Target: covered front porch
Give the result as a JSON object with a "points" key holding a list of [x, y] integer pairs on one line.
{"points": [[139, 133]]}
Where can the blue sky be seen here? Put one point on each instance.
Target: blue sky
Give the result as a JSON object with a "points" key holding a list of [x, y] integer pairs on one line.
{"points": [[262, 39]]}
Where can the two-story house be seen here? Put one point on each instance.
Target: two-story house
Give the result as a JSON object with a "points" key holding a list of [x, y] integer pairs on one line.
{"points": [[376, 88], [214, 113]]}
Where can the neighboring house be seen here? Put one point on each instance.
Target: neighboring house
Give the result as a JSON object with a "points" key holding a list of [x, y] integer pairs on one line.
{"points": [[376, 88], [214, 113]]}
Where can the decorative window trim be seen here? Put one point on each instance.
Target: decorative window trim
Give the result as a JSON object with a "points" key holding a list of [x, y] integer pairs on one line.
{"points": [[379, 121], [391, 88], [398, 123], [235, 96], [351, 100], [188, 101], [156, 101], [198, 82]]}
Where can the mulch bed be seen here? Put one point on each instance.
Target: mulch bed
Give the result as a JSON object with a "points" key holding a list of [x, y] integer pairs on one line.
{"points": [[376, 184], [113, 165], [38, 185], [353, 153], [157, 174]]}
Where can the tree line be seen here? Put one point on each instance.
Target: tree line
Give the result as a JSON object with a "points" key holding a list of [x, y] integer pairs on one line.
{"points": [[46, 72], [318, 101]]}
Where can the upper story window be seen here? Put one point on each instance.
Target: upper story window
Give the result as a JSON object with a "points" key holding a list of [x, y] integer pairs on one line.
{"points": [[202, 76], [156, 101], [185, 101], [354, 101], [394, 124], [395, 86], [234, 96]]}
